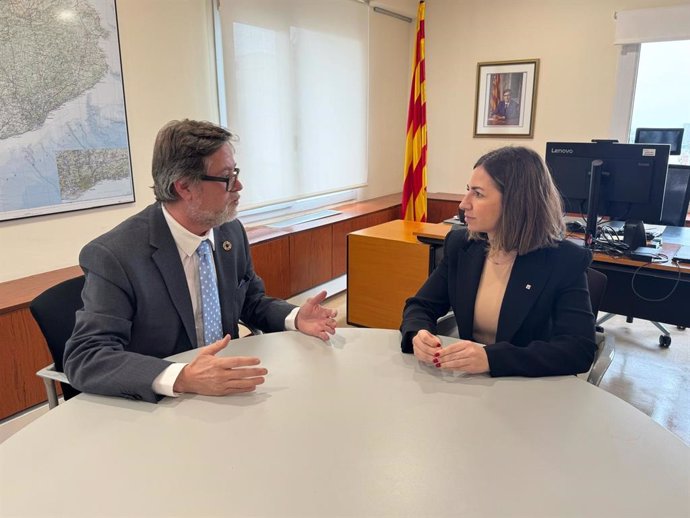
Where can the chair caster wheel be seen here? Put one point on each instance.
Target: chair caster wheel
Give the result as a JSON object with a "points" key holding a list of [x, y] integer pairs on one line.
{"points": [[664, 341]]}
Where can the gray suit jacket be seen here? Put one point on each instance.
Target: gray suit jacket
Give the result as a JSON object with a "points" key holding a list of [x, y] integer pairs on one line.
{"points": [[138, 310]]}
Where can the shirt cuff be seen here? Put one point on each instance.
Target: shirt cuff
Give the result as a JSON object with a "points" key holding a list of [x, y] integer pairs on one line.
{"points": [[290, 320], [165, 381]]}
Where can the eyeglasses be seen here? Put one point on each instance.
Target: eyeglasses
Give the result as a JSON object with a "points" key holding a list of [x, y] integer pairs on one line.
{"points": [[230, 181]]}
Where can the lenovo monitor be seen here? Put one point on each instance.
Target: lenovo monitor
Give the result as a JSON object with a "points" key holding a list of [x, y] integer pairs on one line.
{"points": [[632, 178]]}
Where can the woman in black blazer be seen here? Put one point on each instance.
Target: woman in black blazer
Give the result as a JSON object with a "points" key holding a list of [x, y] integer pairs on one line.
{"points": [[518, 290]]}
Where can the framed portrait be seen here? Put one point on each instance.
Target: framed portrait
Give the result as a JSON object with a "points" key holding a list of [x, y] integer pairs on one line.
{"points": [[506, 98]]}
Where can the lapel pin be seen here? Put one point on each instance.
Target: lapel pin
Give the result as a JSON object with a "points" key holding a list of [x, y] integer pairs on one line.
{"points": [[528, 287], [227, 245]]}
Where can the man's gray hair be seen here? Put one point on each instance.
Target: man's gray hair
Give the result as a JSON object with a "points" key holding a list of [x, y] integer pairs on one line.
{"points": [[180, 151]]}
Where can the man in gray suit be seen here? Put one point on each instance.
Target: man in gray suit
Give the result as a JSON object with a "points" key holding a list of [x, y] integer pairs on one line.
{"points": [[143, 291]]}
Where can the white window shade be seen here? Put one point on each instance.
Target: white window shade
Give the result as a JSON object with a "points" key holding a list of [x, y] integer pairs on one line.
{"points": [[296, 84], [650, 25]]}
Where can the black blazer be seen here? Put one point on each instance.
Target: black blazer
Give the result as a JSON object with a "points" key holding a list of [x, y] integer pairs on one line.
{"points": [[546, 324]]}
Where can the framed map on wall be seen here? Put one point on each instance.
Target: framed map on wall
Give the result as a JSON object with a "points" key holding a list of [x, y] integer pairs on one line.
{"points": [[64, 144]]}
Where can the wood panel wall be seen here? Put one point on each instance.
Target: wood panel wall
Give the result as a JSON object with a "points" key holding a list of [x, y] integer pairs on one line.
{"points": [[442, 206], [24, 352], [272, 264], [290, 261]]}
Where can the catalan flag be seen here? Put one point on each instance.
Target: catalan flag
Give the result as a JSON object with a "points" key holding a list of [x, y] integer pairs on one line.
{"points": [[495, 93], [414, 186]]}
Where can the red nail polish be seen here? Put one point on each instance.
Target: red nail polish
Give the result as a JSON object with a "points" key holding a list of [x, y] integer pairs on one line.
{"points": [[437, 355], [438, 365]]}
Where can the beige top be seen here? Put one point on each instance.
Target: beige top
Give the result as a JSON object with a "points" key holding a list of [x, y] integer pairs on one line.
{"points": [[492, 288]]}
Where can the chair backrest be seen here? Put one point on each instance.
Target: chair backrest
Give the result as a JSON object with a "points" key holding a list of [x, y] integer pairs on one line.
{"points": [[597, 286], [605, 349], [676, 195], [54, 310]]}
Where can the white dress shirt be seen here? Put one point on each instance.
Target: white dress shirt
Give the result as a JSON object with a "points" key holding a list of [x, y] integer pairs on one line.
{"points": [[187, 243]]}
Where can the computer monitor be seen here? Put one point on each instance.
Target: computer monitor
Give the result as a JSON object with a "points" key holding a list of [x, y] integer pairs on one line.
{"points": [[632, 178], [671, 136]]}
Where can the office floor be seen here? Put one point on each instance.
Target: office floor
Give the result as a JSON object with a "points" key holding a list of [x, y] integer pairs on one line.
{"points": [[654, 380]]}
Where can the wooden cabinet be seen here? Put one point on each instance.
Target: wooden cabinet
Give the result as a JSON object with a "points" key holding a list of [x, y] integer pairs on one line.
{"points": [[272, 263], [310, 258], [386, 265], [23, 350], [290, 261], [343, 228], [442, 206]]}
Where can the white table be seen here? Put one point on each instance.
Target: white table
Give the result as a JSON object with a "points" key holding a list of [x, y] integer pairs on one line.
{"points": [[354, 428]]}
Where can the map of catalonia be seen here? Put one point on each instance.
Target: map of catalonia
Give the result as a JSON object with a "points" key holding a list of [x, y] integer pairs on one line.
{"points": [[49, 54]]}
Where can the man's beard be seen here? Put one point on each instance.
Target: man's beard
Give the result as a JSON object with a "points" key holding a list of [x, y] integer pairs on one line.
{"points": [[211, 219]]}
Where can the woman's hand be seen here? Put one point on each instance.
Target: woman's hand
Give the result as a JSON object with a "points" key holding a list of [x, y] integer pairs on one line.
{"points": [[464, 356], [426, 346]]}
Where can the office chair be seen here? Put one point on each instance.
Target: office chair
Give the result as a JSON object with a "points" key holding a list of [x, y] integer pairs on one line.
{"points": [[674, 212], [54, 311], [603, 357], [447, 326]]}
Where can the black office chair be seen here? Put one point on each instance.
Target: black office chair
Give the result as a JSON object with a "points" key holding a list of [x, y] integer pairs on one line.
{"points": [[54, 311], [674, 212], [447, 326], [603, 358]]}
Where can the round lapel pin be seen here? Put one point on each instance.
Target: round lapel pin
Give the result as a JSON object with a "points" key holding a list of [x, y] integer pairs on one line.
{"points": [[227, 245]]}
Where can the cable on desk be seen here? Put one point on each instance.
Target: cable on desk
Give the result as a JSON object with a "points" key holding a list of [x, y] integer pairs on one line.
{"points": [[608, 242], [675, 286]]}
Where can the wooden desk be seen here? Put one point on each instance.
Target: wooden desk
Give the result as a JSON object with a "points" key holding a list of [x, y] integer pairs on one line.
{"points": [[350, 428], [386, 265], [381, 257]]}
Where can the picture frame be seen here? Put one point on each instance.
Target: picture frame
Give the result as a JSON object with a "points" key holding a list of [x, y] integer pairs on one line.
{"points": [[506, 98]]}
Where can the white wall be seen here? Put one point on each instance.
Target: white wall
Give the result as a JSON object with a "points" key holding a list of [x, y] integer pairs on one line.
{"points": [[390, 67], [168, 71], [573, 40], [169, 74]]}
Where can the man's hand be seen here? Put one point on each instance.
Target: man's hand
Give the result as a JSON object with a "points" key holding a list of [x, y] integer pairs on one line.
{"points": [[213, 376], [464, 356], [315, 320], [426, 347]]}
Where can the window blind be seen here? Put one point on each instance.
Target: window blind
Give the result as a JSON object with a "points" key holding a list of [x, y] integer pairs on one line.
{"points": [[649, 25], [295, 77]]}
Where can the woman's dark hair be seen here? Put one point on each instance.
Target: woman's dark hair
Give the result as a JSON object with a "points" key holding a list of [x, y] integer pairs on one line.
{"points": [[532, 210]]}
